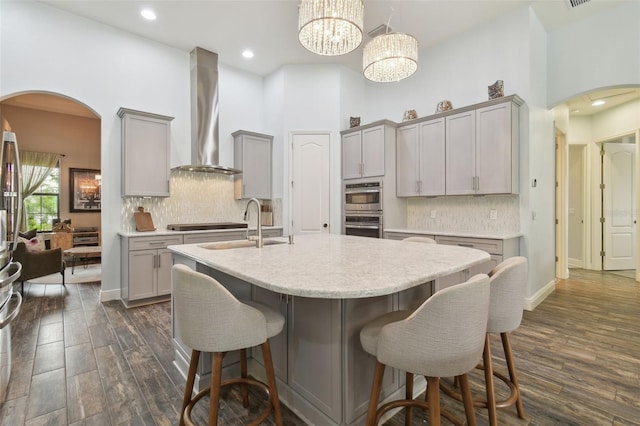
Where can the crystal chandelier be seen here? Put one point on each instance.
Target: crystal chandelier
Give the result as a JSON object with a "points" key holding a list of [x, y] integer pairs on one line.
{"points": [[330, 27], [390, 57]]}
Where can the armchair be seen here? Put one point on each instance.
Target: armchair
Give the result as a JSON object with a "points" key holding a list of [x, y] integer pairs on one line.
{"points": [[38, 263]]}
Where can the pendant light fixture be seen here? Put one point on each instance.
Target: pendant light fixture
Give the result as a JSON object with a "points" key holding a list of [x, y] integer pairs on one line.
{"points": [[330, 27], [390, 57]]}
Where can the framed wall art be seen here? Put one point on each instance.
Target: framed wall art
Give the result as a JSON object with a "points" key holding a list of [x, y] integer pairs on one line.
{"points": [[84, 190]]}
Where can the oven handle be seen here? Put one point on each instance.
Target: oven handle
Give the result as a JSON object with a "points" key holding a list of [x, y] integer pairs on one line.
{"points": [[11, 279], [360, 191], [363, 226]]}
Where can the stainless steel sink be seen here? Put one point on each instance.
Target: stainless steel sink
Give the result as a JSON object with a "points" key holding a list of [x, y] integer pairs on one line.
{"points": [[227, 245]]}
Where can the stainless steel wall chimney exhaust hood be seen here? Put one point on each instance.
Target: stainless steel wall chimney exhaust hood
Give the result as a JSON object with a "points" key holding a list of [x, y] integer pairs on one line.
{"points": [[205, 141]]}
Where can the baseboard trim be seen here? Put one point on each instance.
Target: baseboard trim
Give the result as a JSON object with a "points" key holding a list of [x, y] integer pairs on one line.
{"points": [[107, 295], [576, 263], [530, 303]]}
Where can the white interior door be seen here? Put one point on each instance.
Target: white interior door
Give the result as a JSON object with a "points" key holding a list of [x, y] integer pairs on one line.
{"points": [[310, 183], [619, 205]]}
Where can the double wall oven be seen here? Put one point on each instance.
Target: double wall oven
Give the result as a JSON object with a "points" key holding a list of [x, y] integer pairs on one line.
{"points": [[362, 206]]}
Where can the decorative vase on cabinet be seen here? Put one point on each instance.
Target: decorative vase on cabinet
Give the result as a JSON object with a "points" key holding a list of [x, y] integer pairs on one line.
{"points": [[146, 147], [252, 155]]}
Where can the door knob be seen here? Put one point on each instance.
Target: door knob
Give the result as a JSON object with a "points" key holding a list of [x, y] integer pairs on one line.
{"points": [[325, 225]]}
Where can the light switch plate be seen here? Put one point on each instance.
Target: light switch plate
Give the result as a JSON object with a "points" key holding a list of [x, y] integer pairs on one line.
{"points": [[493, 215], [434, 214]]}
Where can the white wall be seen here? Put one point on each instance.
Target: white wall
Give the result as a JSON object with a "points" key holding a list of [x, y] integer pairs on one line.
{"points": [[600, 51]]}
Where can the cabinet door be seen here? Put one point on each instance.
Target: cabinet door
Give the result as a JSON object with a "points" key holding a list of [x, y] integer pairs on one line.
{"points": [[373, 152], [142, 274], [432, 157], [256, 167], [164, 262], [314, 353], [460, 153], [352, 155], [145, 155], [407, 161], [493, 149]]}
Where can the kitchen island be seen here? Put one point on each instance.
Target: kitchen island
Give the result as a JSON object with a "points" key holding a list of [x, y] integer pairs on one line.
{"points": [[327, 287]]}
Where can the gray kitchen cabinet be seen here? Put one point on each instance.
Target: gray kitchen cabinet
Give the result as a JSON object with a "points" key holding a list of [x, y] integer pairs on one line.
{"points": [[252, 155], [482, 149], [146, 268], [499, 250], [146, 158], [420, 159], [363, 150], [299, 342]]}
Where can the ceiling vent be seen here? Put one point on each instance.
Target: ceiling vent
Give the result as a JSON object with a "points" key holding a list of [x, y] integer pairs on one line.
{"points": [[382, 29], [575, 3]]}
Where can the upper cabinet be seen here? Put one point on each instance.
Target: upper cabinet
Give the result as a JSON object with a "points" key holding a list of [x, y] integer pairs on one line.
{"points": [[420, 159], [482, 149], [252, 155], [363, 151], [146, 158]]}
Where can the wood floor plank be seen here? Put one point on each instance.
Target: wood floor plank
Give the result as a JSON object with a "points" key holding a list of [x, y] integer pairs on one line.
{"points": [[49, 357], [576, 354]]}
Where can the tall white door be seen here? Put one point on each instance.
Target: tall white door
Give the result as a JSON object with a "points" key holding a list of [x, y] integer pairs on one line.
{"points": [[618, 206], [310, 183]]}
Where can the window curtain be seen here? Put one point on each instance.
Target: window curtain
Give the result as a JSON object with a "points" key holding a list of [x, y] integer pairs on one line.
{"points": [[36, 166]]}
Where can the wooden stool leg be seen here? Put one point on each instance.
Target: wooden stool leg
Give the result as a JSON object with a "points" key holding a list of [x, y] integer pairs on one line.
{"points": [[408, 394], [466, 398], [214, 396], [433, 399], [188, 389], [243, 373], [375, 393], [489, 383], [508, 354], [271, 379]]}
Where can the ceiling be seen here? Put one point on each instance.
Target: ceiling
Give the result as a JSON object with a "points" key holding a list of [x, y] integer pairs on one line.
{"points": [[269, 29]]}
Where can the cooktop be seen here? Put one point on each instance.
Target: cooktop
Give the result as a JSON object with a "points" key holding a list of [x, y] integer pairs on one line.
{"points": [[205, 226]]}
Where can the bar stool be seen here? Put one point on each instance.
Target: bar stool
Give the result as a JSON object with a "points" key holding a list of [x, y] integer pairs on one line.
{"points": [[508, 288], [210, 319], [442, 338], [420, 240]]}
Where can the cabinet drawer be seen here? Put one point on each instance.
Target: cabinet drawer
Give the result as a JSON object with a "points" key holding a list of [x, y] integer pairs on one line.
{"points": [[484, 244], [144, 243]]}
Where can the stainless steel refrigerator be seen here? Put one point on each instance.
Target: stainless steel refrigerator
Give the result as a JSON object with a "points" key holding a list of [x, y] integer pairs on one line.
{"points": [[10, 213]]}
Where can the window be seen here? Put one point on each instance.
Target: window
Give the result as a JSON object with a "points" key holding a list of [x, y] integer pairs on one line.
{"points": [[43, 205]]}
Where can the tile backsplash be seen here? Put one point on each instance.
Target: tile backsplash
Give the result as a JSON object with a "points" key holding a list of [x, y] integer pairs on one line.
{"points": [[465, 214], [195, 198]]}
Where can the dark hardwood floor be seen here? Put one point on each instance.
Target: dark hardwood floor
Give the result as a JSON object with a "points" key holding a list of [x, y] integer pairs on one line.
{"points": [[76, 361]]}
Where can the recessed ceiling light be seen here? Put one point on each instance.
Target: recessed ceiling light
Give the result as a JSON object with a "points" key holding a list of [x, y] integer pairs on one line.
{"points": [[597, 103], [247, 54], [148, 14]]}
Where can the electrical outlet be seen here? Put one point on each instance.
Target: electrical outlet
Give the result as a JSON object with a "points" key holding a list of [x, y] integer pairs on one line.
{"points": [[434, 214], [493, 215]]}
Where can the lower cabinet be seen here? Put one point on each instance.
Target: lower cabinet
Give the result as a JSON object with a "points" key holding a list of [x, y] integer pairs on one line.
{"points": [[146, 268], [307, 354], [499, 249]]}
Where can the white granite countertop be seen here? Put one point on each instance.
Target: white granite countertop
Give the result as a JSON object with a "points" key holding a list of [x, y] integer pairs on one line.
{"points": [[162, 232], [468, 234], [336, 266]]}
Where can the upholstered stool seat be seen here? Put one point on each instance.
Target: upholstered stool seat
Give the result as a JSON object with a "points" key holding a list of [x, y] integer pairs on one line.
{"points": [[444, 337], [210, 319], [508, 287]]}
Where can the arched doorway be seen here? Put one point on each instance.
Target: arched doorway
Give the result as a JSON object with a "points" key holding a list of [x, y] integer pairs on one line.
{"points": [[51, 123]]}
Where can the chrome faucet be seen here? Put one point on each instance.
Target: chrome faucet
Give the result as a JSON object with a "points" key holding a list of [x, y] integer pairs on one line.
{"points": [[246, 214]]}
